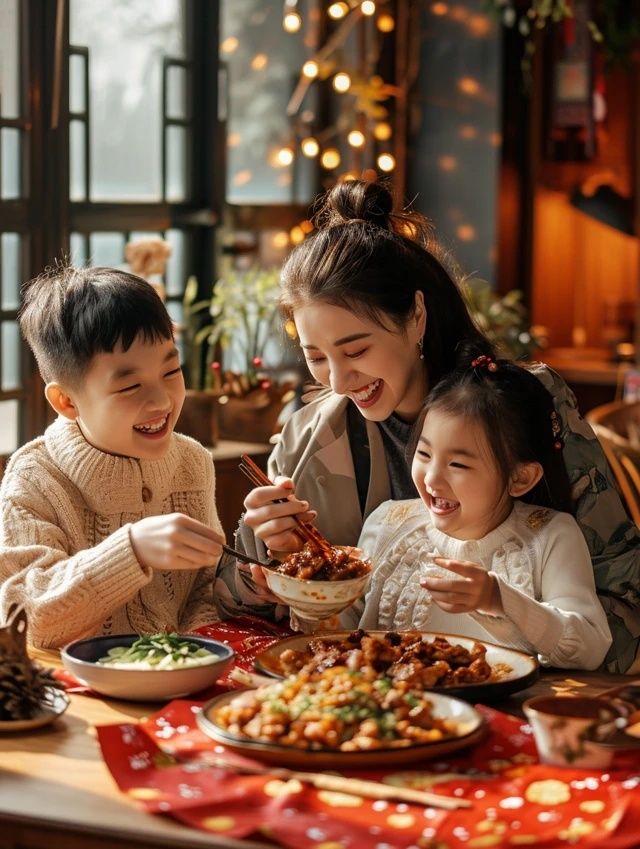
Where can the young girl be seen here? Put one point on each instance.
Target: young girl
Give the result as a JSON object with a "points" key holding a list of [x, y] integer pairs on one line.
{"points": [[511, 569]]}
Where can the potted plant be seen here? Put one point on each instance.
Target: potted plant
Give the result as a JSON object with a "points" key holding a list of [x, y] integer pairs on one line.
{"points": [[243, 312]]}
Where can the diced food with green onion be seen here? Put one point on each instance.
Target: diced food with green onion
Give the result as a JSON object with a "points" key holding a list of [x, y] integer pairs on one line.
{"points": [[158, 651]]}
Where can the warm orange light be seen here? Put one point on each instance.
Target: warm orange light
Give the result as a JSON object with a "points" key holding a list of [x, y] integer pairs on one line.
{"points": [[495, 139], [233, 139], [342, 82], [447, 163], [284, 156], [310, 69], [468, 132], [386, 162], [229, 44], [310, 147], [330, 158], [468, 85], [337, 10], [241, 178], [292, 22], [479, 26], [439, 9], [347, 177], [356, 138], [259, 61], [466, 233], [284, 179], [382, 131], [280, 239], [385, 23], [368, 7], [369, 175], [296, 235], [306, 226]]}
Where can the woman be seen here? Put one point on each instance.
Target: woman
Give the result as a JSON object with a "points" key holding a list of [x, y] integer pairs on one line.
{"points": [[379, 319]]}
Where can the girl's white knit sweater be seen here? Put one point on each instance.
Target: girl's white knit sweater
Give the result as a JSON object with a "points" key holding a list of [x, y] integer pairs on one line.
{"points": [[541, 563], [65, 548]]}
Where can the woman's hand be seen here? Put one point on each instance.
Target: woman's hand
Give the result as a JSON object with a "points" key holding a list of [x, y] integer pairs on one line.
{"points": [[273, 523], [470, 587], [260, 582]]}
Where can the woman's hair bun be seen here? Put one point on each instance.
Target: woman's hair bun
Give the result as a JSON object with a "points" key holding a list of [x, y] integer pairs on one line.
{"points": [[356, 200]]}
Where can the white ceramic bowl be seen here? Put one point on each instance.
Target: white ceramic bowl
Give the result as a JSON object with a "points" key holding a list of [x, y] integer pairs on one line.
{"points": [[146, 685], [315, 600]]}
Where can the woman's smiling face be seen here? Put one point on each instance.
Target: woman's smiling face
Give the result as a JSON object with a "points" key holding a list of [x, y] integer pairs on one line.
{"points": [[379, 369]]}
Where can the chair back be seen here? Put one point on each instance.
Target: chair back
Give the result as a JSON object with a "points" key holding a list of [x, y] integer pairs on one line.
{"points": [[617, 426]]}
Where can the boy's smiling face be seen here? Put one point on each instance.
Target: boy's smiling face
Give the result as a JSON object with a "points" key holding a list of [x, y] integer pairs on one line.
{"points": [[128, 402]]}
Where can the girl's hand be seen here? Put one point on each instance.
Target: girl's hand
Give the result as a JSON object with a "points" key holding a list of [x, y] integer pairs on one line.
{"points": [[274, 523], [470, 587], [175, 541]]}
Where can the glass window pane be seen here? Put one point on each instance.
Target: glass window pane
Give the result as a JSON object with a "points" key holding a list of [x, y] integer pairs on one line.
{"points": [[175, 278], [261, 80], [77, 177], [11, 171], [9, 411], [126, 46], [176, 92], [9, 59], [176, 164], [11, 351], [11, 270], [77, 93], [78, 244], [107, 249]]}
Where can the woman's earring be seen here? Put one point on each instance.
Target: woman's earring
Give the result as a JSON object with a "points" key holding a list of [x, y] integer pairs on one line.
{"points": [[420, 344]]}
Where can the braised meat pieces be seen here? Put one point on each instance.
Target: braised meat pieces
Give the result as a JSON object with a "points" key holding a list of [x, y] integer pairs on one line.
{"points": [[312, 565], [401, 656]]}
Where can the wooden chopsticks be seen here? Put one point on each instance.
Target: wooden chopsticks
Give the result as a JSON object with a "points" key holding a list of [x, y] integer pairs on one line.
{"points": [[354, 786], [305, 529]]}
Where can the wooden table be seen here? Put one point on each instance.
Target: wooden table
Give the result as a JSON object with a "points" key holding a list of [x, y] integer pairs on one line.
{"points": [[57, 793]]}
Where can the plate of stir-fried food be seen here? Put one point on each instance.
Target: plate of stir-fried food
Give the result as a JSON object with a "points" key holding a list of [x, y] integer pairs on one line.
{"points": [[446, 663], [340, 717]]}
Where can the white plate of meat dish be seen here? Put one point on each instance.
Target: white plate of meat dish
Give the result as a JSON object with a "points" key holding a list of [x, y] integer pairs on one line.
{"points": [[340, 718], [445, 663]]}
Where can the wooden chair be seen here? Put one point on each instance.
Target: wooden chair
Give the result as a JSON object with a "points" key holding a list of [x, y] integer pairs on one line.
{"points": [[617, 426]]}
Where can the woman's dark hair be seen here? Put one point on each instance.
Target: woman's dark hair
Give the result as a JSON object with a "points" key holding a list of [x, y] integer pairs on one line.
{"points": [[518, 417], [367, 258], [69, 315]]}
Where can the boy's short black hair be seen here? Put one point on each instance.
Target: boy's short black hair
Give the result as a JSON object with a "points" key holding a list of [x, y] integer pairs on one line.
{"points": [[68, 315]]}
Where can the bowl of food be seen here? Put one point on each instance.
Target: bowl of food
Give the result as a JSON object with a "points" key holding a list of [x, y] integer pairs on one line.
{"points": [[148, 668], [317, 585]]}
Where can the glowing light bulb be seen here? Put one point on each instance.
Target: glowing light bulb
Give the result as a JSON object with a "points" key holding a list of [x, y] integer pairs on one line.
{"points": [[306, 226], [466, 233], [280, 239], [310, 69], [338, 10], [368, 7], [386, 162], [330, 158], [382, 131], [385, 23], [291, 22], [356, 138], [468, 85], [259, 61], [296, 234], [439, 9], [229, 44], [310, 147], [342, 82], [284, 156]]}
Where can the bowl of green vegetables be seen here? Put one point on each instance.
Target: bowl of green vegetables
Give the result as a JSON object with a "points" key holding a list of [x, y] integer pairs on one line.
{"points": [[154, 667]]}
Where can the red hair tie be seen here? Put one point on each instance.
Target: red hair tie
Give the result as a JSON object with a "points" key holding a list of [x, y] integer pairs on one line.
{"points": [[483, 361]]}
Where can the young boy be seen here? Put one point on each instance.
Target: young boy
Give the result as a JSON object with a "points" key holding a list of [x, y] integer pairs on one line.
{"points": [[109, 522]]}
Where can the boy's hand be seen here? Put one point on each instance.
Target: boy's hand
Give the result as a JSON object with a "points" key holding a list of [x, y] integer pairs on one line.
{"points": [[470, 588], [175, 541]]}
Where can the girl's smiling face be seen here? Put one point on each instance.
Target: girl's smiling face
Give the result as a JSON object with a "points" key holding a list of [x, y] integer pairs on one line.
{"points": [[458, 478], [379, 369]]}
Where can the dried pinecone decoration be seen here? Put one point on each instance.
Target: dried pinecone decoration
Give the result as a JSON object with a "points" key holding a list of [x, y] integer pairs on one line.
{"points": [[24, 686]]}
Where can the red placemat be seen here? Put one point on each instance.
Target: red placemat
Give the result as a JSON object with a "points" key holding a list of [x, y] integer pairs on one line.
{"points": [[516, 801]]}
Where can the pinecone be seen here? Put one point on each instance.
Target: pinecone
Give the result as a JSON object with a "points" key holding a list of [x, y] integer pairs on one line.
{"points": [[24, 686]]}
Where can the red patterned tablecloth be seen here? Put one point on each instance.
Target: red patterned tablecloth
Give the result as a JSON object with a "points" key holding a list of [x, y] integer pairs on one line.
{"points": [[516, 801]]}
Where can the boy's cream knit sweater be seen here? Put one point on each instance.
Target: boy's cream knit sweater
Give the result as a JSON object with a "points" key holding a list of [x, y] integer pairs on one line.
{"points": [[65, 549]]}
